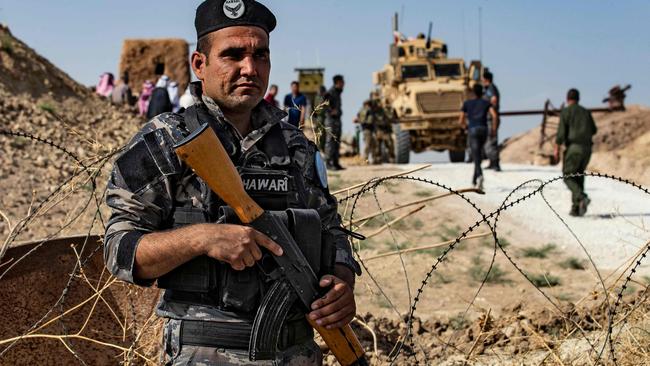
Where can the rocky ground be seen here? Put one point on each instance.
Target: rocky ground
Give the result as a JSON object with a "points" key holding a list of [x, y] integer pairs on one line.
{"points": [[39, 101], [550, 319], [528, 320]]}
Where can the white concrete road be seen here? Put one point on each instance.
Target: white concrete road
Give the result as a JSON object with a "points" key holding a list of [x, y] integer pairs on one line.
{"points": [[616, 226]]}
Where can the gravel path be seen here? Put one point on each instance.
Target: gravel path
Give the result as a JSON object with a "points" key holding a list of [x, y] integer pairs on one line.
{"points": [[616, 226]]}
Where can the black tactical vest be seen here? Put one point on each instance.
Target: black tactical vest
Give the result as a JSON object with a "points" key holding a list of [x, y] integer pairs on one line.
{"points": [[275, 182]]}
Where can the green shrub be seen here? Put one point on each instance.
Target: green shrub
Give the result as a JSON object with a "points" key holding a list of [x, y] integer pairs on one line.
{"points": [[458, 322], [47, 107], [538, 252], [6, 44], [573, 263], [479, 270], [544, 280], [421, 193]]}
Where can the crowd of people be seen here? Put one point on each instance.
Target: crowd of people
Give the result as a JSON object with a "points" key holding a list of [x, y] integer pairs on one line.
{"points": [[479, 117], [164, 96], [153, 99]]}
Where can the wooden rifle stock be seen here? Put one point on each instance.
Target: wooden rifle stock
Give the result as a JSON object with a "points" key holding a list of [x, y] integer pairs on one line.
{"points": [[205, 154]]}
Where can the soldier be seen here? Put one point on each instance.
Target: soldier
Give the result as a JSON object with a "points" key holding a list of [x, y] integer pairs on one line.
{"points": [[165, 223], [384, 133], [366, 120], [491, 94], [575, 132], [333, 124]]}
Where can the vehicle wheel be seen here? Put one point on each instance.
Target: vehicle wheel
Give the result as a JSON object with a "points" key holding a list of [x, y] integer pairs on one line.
{"points": [[402, 145], [457, 156]]}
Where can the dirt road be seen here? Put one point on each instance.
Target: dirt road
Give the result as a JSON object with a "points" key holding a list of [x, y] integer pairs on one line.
{"points": [[614, 229]]}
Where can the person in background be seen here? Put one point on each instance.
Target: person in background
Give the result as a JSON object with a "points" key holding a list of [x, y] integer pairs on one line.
{"points": [[105, 85], [333, 123], [383, 133], [121, 94], [491, 94], [174, 97], [295, 103], [366, 119], [270, 96], [145, 97], [160, 102], [575, 131], [476, 111]]}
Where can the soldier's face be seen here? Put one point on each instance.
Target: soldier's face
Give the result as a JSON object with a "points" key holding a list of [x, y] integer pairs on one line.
{"points": [[235, 73]]}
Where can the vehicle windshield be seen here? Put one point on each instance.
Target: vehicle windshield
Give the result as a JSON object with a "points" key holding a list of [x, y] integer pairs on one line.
{"points": [[447, 70], [415, 71]]}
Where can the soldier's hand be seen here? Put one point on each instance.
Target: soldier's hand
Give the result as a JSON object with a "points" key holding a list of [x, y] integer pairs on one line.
{"points": [[337, 308], [236, 245]]}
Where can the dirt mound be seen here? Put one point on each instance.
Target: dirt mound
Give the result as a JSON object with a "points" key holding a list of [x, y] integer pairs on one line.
{"points": [[521, 334], [620, 146], [61, 111], [22, 70], [55, 138]]}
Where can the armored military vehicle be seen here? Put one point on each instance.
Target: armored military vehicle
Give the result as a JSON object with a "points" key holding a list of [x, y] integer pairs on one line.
{"points": [[425, 90]]}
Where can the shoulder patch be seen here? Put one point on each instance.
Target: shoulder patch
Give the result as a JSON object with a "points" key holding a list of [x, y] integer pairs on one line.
{"points": [[321, 169], [148, 158], [137, 167]]}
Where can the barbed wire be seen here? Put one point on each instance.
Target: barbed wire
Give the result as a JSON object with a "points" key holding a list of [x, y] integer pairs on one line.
{"points": [[93, 169], [372, 184]]}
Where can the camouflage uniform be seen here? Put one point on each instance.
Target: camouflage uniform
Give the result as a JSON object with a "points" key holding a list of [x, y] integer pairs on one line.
{"points": [[368, 130], [151, 190], [384, 135], [576, 130], [307, 353]]}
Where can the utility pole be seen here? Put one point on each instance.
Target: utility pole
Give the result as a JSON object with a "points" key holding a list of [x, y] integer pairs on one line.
{"points": [[480, 34]]}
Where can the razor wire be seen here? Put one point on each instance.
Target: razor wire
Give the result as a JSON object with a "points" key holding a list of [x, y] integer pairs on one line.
{"points": [[489, 219], [485, 220]]}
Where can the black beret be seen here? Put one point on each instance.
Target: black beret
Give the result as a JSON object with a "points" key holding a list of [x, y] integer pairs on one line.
{"points": [[213, 15]]}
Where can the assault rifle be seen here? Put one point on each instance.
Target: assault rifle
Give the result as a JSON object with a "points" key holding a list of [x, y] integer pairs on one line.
{"points": [[205, 154]]}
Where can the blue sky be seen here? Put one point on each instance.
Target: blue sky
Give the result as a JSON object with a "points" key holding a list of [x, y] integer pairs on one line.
{"points": [[536, 49]]}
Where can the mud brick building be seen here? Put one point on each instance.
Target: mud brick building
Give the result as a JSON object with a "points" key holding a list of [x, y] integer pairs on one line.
{"points": [[147, 59]]}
